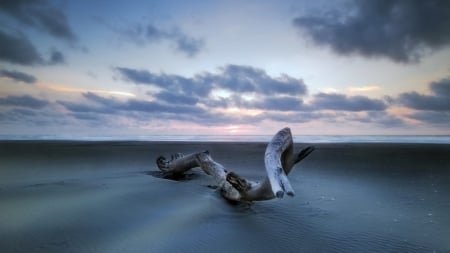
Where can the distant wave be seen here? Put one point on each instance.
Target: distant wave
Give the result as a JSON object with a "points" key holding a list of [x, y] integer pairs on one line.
{"points": [[432, 139]]}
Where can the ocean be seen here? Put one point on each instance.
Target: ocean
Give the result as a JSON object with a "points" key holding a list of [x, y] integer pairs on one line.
{"points": [[430, 139]]}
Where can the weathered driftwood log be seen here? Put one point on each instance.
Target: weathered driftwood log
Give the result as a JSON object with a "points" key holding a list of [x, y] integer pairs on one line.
{"points": [[279, 160]]}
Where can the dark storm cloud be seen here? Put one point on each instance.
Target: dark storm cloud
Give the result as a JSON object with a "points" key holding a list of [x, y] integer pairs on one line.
{"points": [[18, 76], [439, 100], [23, 101], [142, 34], [400, 30], [40, 14], [16, 48], [342, 102], [234, 78]]}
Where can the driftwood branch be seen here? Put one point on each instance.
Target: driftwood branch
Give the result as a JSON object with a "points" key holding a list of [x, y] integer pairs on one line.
{"points": [[279, 160]]}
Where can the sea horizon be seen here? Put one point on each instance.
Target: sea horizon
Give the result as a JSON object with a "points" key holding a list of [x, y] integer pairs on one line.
{"points": [[430, 139]]}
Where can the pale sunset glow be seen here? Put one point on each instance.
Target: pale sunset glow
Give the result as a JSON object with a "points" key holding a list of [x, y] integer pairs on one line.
{"points": [[62, 88], [233, 129], [364, 88], [228, 67]]}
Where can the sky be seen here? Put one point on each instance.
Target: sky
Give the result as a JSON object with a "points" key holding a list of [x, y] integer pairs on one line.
{"points": [[136, 68]]}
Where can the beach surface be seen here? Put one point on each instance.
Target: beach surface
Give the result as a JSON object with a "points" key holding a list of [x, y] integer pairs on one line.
{"points": [[74, 196]]}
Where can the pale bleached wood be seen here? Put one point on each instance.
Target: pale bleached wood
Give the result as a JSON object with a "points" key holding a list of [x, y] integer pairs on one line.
{"points": [[280, 147], [279, 160]]}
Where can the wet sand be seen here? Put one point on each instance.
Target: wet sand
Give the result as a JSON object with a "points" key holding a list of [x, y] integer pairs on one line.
{"points": [[66, 196]]}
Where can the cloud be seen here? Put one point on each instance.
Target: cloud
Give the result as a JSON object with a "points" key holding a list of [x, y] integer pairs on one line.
{"points": [[165, 106], [40, 14], [141, 110], [235, 78], [249, 79], [255, 96], [439, 100], [111, 105], [174, 83], [143, 34], [418, 101], [400, 30], [174, 98], [17, 49], [232, 95], [297, 117], [340, 102], [441, 87], [267, 103], [380, 118], [23, 101], [284, 103], [432, 109], [56, 57], [17, 115], [432, 117], [188, 45], [18, 76]]}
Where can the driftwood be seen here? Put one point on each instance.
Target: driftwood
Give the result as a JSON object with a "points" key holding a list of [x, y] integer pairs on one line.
{"points": [[279, 160]]}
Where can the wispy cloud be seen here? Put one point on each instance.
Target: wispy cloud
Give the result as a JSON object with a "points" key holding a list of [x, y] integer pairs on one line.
{"points": [[17, 76], [143, 34], [335, 101], [23, 101]]}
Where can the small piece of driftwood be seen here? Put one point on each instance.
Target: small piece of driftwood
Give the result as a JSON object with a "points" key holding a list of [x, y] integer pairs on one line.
{"points": [[279, 160]]}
